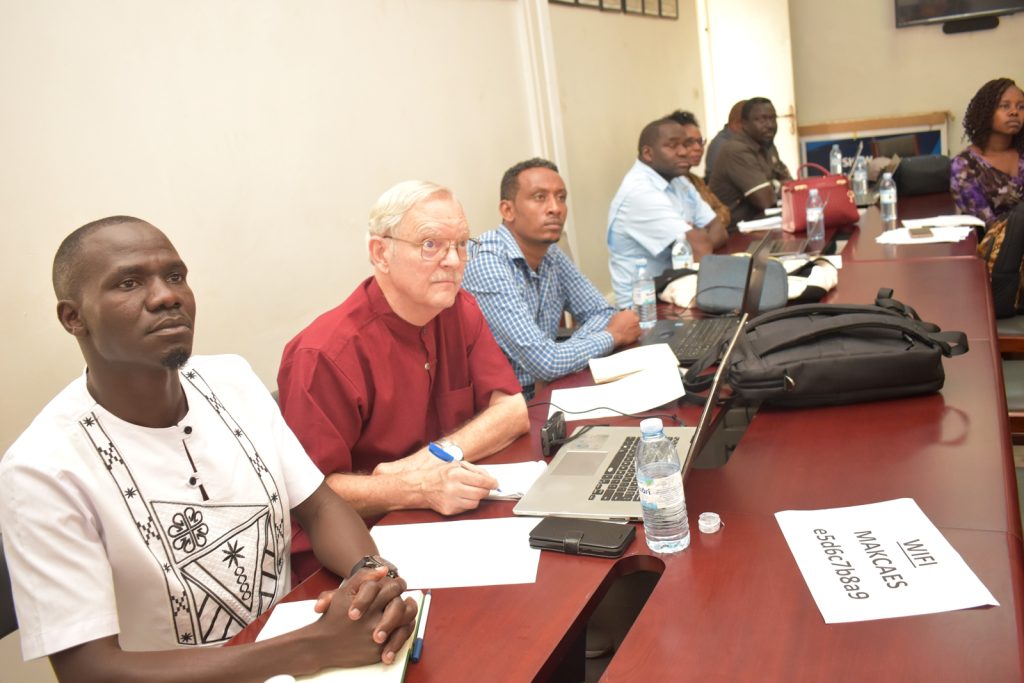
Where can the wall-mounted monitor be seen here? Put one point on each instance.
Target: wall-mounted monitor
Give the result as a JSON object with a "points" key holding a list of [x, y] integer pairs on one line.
{"points": [[914, 12]]}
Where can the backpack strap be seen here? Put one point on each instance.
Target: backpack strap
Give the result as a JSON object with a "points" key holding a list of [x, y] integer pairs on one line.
{"points": [[949, 343]]}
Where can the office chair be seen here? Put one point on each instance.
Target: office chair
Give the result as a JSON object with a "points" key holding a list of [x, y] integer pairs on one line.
{"points": [[925, 174], [1010, 332], [1013, 380], [903, 145], [8, 619]]}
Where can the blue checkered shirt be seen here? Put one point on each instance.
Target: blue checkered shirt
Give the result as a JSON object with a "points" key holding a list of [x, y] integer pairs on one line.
{"points": [[523, 308]]}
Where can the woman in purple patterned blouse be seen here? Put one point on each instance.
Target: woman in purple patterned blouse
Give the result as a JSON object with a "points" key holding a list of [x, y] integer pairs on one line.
{"points": [[987, 181]]}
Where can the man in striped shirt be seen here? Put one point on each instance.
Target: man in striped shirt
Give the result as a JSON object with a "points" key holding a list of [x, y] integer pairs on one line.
{"points": [[523, 283]]}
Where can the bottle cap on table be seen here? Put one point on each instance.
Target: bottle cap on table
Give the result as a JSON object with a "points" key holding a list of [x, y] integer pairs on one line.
{"points": [[709, 522]]}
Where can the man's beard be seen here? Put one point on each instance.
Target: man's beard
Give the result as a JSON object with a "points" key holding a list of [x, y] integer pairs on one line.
{"points": [[176, 358]]}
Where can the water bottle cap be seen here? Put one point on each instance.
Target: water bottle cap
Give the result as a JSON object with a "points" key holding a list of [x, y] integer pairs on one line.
{"points": [[709, 522], [887, 176], [813, 192], [651, 425]]}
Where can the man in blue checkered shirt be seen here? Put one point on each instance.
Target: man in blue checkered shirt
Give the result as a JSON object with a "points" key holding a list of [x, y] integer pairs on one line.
{"points": [[523, 283]]}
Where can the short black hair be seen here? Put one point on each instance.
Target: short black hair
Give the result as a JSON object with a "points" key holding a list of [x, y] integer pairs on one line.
{"points": [[649, 135], [980, 110], [749, 105], [683, 118], [510, 181], [66, 262]]}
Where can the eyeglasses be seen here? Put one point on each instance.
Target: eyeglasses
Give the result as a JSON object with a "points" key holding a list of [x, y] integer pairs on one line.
{"points": [[690, 143], [437, 250]]}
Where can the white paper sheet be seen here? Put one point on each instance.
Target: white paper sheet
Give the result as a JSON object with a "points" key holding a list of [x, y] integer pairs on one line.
{"points": [[473, 552], [769, 223], [948, 221], [879, 561], [939, 234], [633, 394], [651, 357], [289, 616], [514, 479]]}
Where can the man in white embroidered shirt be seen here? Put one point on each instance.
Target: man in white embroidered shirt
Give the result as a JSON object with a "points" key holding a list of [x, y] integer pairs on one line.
{"points": [[656, 206], [523, 283], [147, 507]]}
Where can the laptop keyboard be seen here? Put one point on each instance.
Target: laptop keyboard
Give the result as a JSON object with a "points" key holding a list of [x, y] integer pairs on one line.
{"points": [[698, 336], [619, 479]]}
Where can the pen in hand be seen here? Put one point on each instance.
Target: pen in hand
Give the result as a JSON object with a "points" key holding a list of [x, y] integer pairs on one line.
{"points": [[421, 628], [442, 454]]}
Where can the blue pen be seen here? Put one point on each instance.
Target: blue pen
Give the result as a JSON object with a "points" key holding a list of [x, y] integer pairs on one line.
{"points": [[440, 453], [417, 646]]}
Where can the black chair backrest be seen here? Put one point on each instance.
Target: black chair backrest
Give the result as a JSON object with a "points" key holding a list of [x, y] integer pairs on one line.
{"points": [[928, 174], [8, 619]]}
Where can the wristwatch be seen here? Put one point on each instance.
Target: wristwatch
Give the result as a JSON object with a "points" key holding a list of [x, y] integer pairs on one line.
{"points": [[451, 449], [372, 562]]}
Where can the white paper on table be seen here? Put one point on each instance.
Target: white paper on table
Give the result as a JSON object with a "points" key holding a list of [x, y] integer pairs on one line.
{"points": [[769, 223], [635, 393], [943, 221], [514, 479], [939, 234], [651, 357], [472, 552], [289, 616], [879, 561]]}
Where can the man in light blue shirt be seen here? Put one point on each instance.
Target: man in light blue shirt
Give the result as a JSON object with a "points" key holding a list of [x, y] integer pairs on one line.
{"points": [[523, 283], [655, 206]]}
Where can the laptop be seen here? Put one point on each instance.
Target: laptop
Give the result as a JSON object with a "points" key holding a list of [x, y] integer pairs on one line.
{"points": [[786, 246], [594, 475], [691, 339]]}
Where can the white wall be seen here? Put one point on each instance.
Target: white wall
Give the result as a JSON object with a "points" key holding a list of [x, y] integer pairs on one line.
{"points": [[851, 62], [255, 133], [616, 73]]}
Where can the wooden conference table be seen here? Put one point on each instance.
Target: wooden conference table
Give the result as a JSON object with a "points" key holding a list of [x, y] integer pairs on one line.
{"points": [[734, 606], [861, 244]]}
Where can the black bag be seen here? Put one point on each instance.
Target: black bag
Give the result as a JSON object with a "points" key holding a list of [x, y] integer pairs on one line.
{"points": [[832, 354]]}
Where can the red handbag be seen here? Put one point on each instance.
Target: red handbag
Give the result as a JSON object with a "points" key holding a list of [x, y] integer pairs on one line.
{"points": [[835, 192]]}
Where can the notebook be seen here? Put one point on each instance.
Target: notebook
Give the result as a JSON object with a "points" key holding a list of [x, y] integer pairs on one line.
{"points": [[289, 616], [594, 476], [691, 339]]}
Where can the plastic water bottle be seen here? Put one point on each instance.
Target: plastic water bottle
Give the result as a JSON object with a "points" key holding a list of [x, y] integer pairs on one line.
{"points": [[860, 179], [682, 254], [815, 219], [887, 198], [643, 296], [660, 484], [835, 160]]}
